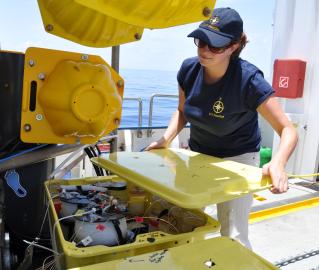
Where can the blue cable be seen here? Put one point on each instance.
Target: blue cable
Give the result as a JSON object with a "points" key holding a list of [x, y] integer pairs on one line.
{"points": [[23, 152]]}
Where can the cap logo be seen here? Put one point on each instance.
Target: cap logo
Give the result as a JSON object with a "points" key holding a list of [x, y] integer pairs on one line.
{"points": [[214, 20], [211, 26]]}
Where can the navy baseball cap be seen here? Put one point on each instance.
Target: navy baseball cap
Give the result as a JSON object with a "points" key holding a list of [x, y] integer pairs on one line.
{"points": [[224, 26]]}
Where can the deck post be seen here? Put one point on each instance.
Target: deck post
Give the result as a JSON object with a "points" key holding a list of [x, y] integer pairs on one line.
{"points": [[116, 66]]}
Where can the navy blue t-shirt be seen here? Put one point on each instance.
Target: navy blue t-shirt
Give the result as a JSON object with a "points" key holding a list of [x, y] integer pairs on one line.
{"points": [[222, 116]]}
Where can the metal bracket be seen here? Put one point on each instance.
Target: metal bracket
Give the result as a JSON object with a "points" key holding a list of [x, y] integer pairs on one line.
{"points": [[13, 180]]}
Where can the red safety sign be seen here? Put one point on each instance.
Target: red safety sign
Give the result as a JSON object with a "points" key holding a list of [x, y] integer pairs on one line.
{"points": [[289, 76]]}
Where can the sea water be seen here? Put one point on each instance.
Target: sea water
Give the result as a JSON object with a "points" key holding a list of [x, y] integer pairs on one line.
{"points": [[142, 84]]}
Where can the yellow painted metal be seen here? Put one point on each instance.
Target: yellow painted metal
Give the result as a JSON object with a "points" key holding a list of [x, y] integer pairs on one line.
{"points": [[78, 97], [219, 253], [155, 13], [185, 178], [72, 256], [283, 210], [259, 198], [73, 21], [310, 175]]}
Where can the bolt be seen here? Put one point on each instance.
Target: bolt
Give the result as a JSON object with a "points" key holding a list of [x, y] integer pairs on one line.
{"points": [[6, 85], [41, 76], [116, 121], [31, 63], [85, 57], [137, 36], [120, 83], [39, 117], [49, 27], [27, 127], [207, 11]]}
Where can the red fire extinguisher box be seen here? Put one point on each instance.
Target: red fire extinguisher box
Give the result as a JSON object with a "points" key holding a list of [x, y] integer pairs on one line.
{"points": [[289, 77]]}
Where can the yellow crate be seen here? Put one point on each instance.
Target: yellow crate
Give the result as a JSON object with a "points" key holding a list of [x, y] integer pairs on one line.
{"points": [[220, 253], [71, 256], [183, 178]]}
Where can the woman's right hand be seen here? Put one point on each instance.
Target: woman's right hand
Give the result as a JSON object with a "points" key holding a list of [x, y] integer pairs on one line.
{"points": [[161, 143]]}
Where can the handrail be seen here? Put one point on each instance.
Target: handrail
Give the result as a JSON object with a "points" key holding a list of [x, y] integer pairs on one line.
{"points": [[150, 111], [140, 109], [45, 153]]}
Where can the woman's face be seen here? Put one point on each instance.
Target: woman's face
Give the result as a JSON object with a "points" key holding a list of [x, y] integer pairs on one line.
{"points": [[208, 58]]}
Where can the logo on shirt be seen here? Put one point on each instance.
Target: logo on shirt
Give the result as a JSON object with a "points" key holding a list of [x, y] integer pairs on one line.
{"points": [[218, 108]]}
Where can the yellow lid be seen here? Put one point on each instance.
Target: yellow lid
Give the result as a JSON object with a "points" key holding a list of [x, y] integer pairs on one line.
{"points": [[216, 253], [155, 13], [68, 97], [73, 21], [100, 23], [185, 178]]}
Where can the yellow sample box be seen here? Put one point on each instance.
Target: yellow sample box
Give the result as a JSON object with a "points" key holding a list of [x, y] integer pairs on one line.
{"points": [[153, 217]]}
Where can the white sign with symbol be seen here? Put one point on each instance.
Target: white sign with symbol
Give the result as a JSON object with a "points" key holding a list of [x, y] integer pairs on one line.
{"points": [[283, 82]]}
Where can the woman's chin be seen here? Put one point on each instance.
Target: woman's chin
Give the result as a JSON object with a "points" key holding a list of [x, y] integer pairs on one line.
{"points": [[204, 61]]}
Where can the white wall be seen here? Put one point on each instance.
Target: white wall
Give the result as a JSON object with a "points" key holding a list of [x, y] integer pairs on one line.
{"points": [[296, 36]]}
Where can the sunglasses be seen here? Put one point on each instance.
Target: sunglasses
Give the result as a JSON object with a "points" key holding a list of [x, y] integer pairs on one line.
{"points": [[201, 44]]}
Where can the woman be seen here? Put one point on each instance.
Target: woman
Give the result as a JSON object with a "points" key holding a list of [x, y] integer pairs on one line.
{"points": [[220, 95]]}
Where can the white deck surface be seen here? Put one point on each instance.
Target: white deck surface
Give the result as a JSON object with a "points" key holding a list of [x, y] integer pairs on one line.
{"points": [[288, 236]]}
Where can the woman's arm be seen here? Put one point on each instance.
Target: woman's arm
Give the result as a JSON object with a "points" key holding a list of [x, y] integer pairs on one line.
{"points": [[271, 110], [176, 124]]}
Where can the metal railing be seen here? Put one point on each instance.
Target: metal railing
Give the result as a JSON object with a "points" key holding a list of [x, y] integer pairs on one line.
{"points": [[140, 109], [150, 111]]}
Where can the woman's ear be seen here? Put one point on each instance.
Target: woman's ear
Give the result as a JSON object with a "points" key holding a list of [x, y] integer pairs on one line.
{"points": [[234, 47]]}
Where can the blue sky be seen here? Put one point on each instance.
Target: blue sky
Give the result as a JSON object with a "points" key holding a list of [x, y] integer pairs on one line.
{"points": [[161, 49]]}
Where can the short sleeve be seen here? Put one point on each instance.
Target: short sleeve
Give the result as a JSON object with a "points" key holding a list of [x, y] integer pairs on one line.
{"points": [[181, 74], [258, 91]]}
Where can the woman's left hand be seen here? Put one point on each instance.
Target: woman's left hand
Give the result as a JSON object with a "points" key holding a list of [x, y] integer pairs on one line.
{"points": [[278, 176]]}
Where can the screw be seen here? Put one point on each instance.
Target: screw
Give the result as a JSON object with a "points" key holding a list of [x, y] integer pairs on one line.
{"points": [[85, 57], [49, 27], [137, 36], [39, 117], [41, 76], [31, 63], [120, 83], [206, 12], [6, 85], [27, 127]]}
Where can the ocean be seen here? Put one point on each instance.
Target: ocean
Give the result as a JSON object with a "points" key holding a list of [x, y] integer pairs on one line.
{"points": [[142, 84]]}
